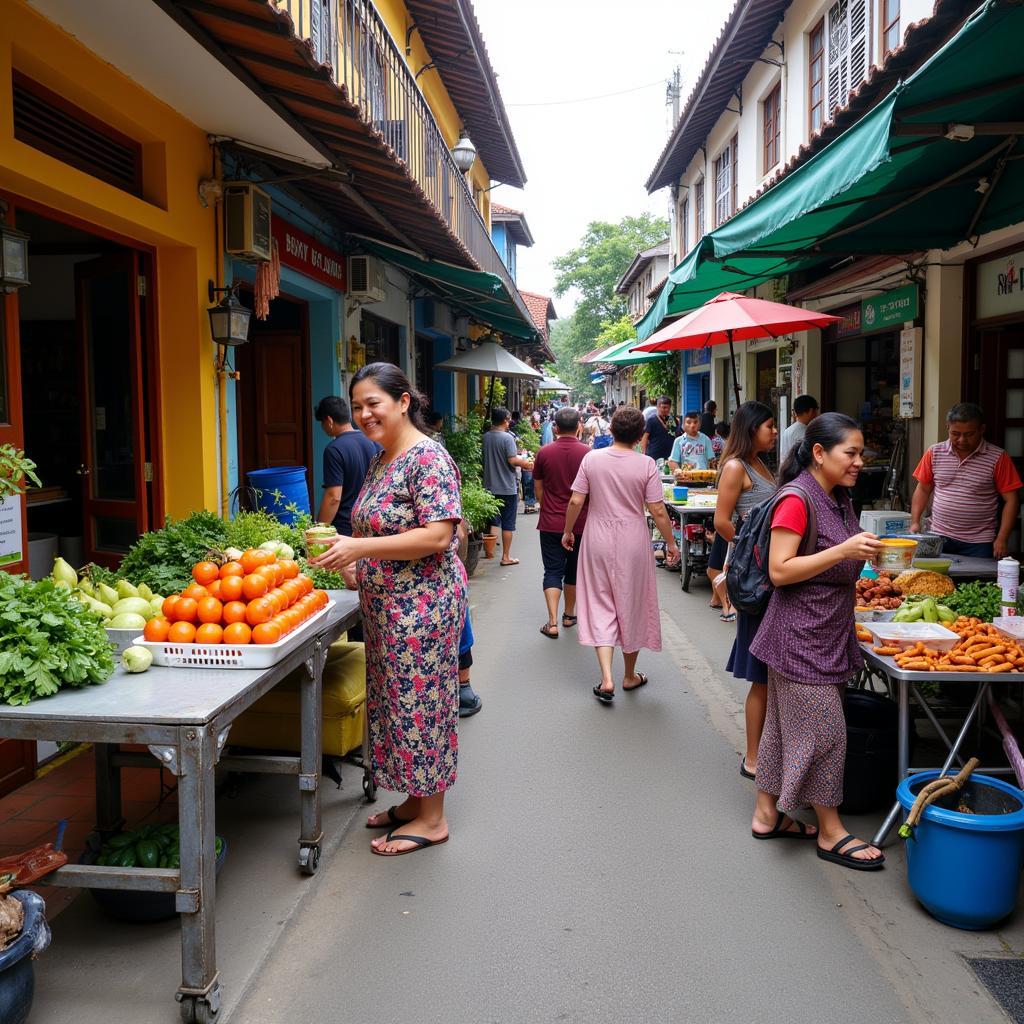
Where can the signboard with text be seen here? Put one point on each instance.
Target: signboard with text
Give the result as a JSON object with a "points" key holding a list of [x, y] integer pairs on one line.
{"points": [[890, 309], [302, 252], [12, 540], [1000, 286], [910, 373]]}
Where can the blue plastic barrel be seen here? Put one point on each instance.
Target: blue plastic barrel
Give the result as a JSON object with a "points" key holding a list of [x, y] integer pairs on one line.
{"points": [[280, 487], [965, 868]]}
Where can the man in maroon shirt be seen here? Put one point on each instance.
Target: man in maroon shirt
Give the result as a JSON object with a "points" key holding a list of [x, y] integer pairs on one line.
{"points": [[554, 470]]}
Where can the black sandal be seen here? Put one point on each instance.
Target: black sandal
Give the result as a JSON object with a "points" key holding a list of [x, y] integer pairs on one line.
{"points": [[393, 822], [568, 621], [778, 832], [551, 632], [847, 859], [744, 770], [604, 696]]}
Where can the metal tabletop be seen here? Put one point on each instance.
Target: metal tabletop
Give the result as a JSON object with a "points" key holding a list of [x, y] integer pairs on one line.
{"points": [[964, 568], [184, 716]]}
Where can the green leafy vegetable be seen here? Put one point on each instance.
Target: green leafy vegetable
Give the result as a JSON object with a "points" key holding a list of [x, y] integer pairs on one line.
{"points": [[163, 559], [47, 640], [977, 600]]}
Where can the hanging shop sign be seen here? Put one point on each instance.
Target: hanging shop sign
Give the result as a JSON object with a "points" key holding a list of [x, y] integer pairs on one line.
{"points": [[910, 373], [305, 254], [12, 541], [849, 325], [699, 358], [1000, 286], [890, 309]]}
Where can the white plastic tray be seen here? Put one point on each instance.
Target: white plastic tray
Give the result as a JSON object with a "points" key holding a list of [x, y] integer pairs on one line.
{"points": [[906, 634], [1011, 626], [226, 656]]}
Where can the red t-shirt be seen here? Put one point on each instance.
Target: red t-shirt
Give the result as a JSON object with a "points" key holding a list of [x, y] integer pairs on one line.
{"points": [[791, 514], [556, 466]]}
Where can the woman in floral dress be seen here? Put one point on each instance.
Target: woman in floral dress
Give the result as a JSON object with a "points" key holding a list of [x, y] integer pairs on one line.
{"points": [[412, 592]]}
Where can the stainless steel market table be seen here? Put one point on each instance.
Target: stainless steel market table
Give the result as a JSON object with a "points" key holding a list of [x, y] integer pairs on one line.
{"points": [[964, 568], [906, 686], [184, 716]]}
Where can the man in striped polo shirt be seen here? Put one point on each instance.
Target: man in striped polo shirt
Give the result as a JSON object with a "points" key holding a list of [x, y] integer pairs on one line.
{"points": [[964, 477]]}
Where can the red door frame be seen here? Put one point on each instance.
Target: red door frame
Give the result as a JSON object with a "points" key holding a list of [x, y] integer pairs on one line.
{"points": [[147, 259]]}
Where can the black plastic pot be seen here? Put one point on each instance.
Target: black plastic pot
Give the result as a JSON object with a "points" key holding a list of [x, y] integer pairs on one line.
{"points": [[475, 546], [17, 978]]}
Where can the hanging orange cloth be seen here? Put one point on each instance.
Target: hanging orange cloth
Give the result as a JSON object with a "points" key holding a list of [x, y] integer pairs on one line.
{"points": [[268, 283]]}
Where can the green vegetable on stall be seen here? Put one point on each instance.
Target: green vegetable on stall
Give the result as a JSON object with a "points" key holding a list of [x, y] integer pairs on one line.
{"points": [[136, 659], [977, 600], [48, 639]]}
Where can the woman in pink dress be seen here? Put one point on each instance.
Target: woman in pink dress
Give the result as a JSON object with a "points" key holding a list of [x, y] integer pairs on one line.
{"points": [[617, 594]]}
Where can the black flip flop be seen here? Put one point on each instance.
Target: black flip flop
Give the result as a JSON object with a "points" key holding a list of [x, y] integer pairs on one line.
{"points": [[643, 682], [847, 859], [568, 621], [744, 771], [778, 832], [420, 841], [393, 822], [604, 696]]}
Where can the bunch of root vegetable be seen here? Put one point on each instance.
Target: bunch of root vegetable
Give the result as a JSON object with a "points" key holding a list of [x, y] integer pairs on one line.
{"points": [[878, 593], [12, 917], [981, 648], [936, 790]]}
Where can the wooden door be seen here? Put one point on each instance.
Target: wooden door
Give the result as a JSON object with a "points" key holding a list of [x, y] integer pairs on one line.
{"points": [[113, 469], [1001, 379], [274, 414]]}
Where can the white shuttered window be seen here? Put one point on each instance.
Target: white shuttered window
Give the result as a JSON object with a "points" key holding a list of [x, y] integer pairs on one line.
{"points": [[847, 49]]}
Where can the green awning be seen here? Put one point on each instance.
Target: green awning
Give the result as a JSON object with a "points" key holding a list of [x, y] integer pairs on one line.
{"points": [[474, 292], [937, 162], [621, 356]]}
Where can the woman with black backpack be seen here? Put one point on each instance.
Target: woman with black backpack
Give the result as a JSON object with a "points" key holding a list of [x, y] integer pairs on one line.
{"points": [[806, 639], [743, 482]]}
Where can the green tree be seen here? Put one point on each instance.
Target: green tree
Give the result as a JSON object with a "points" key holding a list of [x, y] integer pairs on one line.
{"points": [[592, 269]]}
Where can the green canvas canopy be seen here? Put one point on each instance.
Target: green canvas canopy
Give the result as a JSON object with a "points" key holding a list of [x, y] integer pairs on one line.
{"points": [[937, 162], [619, 355], [477, 293]]}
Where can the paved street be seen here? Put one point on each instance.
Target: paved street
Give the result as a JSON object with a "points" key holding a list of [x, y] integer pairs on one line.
{"points": [[600, 868]]}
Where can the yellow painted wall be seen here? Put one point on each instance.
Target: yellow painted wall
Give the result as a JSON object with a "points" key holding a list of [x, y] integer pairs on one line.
{"points": [[172, 223], [397, 19]]}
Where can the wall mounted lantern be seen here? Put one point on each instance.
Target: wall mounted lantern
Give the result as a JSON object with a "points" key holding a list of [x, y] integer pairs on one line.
{"points": [[13, 259], [229, 319]]}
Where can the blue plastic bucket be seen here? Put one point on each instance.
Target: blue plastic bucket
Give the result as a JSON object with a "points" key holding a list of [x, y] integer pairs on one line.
{"points": [[280, 487], [965, 868]]}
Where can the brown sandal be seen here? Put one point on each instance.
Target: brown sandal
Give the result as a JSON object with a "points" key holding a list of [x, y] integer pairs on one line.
{"points": [[551, 632]]}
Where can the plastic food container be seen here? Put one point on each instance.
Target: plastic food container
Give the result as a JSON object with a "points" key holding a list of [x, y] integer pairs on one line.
{"points": [[896, 555], [319, 539], [907, 634], [929, 545], [1011, 626], [864, 614], [680, 493]]}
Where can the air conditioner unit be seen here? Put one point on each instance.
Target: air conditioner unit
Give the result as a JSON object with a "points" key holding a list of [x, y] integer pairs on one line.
{"points": [[366, 280], [246, 221]]}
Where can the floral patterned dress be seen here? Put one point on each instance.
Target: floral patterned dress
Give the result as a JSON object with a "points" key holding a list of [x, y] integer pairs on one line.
{"points": [[412, 618]]}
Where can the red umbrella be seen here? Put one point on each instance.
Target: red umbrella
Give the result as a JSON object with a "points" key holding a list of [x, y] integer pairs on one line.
{"points": [[730, 317]]}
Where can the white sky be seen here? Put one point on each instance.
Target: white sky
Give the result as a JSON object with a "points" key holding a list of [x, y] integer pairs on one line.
{"points": [[589, 161]]}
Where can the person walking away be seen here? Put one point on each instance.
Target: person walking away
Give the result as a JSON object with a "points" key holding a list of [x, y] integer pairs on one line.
{"points": [[743, 482], [412, 594], [501, 459], [718, 439], [805, 409], [598, 430], [547, 434], [617, 593], [346, 460], [470, 701], [435, 425], [554, 471], [716, 556], [691, 449], [660, 430], [964, 477], [707, 418], [807, 641]]}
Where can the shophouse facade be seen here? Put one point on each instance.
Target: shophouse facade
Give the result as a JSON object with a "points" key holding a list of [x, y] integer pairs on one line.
{"points": [[783, 81]]}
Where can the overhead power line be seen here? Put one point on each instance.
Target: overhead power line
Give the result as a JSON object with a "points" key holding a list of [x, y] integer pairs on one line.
{"points": [[588, 99]]}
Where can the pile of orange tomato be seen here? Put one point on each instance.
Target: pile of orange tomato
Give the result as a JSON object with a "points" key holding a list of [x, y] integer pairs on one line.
{"points": [[259, 599]]}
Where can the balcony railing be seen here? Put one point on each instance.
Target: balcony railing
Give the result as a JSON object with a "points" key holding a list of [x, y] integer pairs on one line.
{"points": [[351, 36]]}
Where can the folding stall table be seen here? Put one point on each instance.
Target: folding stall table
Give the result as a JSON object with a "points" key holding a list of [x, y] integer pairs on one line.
{"points": [[905, 685], [184, 716], [695, 561]]}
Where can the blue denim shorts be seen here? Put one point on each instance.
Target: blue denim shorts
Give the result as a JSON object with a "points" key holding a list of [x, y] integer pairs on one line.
{"points": [[506, 517]]}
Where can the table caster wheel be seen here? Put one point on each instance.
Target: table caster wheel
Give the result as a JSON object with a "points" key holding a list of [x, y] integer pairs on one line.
{"points": [[197, 1011], [309, 859], [369, 789]]}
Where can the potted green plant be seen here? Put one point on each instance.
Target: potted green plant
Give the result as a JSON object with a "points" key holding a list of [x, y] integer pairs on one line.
{"points": [[17, 471], [463, 437]]}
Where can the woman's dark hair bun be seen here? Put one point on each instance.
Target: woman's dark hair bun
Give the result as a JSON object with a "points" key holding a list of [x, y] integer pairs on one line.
{"points": [[390, 379]]}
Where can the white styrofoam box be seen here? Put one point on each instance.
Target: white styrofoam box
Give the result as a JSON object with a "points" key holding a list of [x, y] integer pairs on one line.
{"points": [[883, 521], [907, 634]]}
